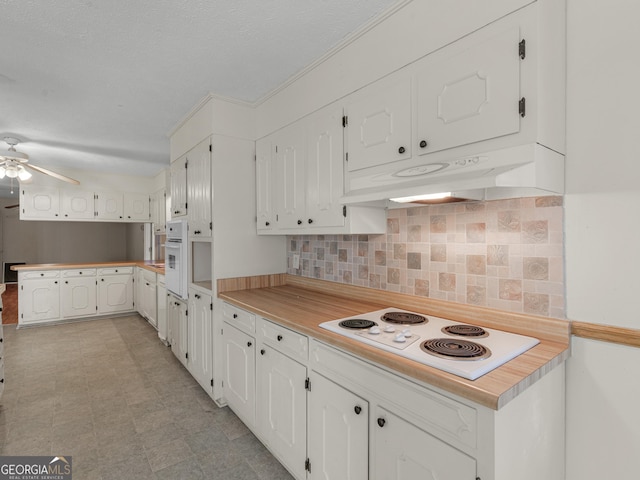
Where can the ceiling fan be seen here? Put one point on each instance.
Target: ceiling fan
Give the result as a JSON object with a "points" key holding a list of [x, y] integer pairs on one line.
{"points": [[14, 164]]}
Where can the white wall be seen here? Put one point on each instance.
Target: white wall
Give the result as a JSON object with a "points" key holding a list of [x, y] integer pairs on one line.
{"points": [[603, 236]]}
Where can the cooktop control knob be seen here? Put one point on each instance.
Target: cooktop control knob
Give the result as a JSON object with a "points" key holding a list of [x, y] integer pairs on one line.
{"points": [[407, 333], [389, 329], [375, 330], [399, 338]]}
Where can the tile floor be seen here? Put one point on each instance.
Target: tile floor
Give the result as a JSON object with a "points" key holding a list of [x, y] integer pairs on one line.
{"points": [[111, 395]]}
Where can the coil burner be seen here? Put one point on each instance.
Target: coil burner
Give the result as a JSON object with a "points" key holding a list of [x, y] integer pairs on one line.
{"points": [[403, 318], [465, 331], [357, 323], [455, 349]]}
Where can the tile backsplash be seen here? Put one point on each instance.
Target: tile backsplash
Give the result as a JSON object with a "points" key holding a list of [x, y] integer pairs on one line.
{"points": [[505, 254]]}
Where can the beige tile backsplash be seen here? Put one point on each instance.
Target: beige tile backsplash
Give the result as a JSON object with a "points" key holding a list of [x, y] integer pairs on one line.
{"points": [[505, 254]]}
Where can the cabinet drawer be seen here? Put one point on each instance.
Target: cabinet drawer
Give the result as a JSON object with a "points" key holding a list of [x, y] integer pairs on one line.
{"points": [[444, 417], [284, 340], [42, 274], [115, 271], [79, 272], [239, 318], [149, 276]]}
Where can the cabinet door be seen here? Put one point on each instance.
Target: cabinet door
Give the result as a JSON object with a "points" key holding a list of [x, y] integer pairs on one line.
{"points": [[39, 300], [338, 432], [109, 205], [265, 153], [199, 189], [77, 204], [281, 407], [402, 451], [290, 176], [178, 172], [161, 293], [325, 169], [469, 92], [159, 211], [239, 385], [379, 124], [78, 297], [200, 339], [150, 302], [115, 293], [39, 202], [179, 328], [136, 207]]}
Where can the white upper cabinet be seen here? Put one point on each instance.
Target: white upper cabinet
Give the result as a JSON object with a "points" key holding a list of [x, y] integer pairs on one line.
{"points": [[39, 203], [325, 169], [469, 92], [77, 204], [290, 176], [178, 172], [109, 206], [136, 207], [264, 184], [159, 211], [379, 123], [199, 189]]}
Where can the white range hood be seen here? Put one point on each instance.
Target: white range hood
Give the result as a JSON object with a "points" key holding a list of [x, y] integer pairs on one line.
{"points": [[520, 171]]}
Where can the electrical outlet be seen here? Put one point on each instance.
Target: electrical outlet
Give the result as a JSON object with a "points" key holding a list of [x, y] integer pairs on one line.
{"points": [[296, 261]]}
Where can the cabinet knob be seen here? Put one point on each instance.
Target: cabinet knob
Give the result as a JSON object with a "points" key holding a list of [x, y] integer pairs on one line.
{"points": [[249, 344], [401, 150], [56, 214], [279, 337], [299, 222], [42, 274], [235, 315], [56, 282], [1, 380], [381, 422], [310, 220], [102, 279], [423, 144], [80, 273], [66, 281], [262, 351], [357, 409], [266, 224], [196, 295], [128, 216], [66, 214], [120, 216]]}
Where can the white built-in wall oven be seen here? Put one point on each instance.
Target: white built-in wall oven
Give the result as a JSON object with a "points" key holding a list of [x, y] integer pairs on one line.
{"points": [[176, 258]]}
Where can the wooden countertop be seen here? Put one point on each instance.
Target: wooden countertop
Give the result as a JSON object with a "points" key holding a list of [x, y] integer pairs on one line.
{"points": [[302, 304], [149, 265]]}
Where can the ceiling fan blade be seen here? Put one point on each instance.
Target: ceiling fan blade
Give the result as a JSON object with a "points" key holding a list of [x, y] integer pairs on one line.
{"points": [[52, 174], [13, 206]]}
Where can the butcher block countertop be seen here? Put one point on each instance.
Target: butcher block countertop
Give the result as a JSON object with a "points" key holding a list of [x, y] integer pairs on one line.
{"points": [[302, 304], [149, 265]]}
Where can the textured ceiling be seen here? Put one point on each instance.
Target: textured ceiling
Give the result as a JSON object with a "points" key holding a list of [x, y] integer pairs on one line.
{"points": [[97, 84]]}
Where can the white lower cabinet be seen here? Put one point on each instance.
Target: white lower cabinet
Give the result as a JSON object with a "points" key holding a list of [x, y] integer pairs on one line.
{"points": [[338, 436], [281, 402], [78, 293], [239, 379], [146, 295], [39, 296], [161, 295], [200, 343], [115, 290], [178, 327], [402, 451]]}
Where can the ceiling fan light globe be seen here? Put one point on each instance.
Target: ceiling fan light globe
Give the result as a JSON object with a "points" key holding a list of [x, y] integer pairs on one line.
{"points": [[3, 171], [23, 174], [12, 172]]}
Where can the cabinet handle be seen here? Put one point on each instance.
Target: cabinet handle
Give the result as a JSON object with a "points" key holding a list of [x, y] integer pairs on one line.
{"points": [[197, 232], [262, 351], [357, 409], [423, 144], [299, 222], [235, 315], [310, 220], [279, 337], [196, 295], [401, 150], [266, 224], [249, 344], [381, 422]]}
